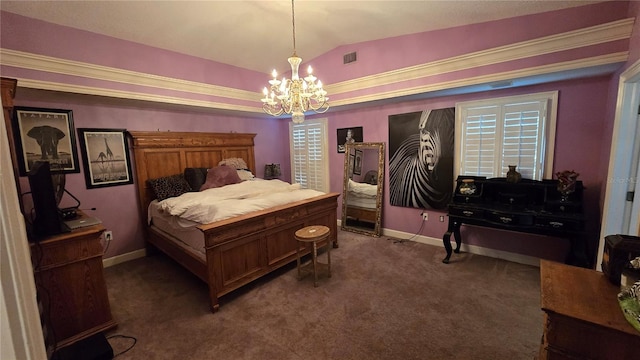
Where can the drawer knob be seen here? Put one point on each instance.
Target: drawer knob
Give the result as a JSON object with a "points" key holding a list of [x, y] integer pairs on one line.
{"points": [[556, 224]]}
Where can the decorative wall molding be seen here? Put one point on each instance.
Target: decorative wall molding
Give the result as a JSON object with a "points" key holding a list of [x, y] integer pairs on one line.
{"points": [[54, 65], [599, 34], [608, 59], [594, 35], [88, 90]]}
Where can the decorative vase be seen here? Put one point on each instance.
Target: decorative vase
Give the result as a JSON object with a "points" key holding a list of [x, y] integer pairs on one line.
{"points": [[468, 187], [566, 183], [512, 175]]}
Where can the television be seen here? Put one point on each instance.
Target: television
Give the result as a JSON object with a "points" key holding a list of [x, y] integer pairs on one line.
{"points": [[46, 220]]}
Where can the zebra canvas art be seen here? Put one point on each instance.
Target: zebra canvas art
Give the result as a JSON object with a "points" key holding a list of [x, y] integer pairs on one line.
{"points": [[421, 146]]}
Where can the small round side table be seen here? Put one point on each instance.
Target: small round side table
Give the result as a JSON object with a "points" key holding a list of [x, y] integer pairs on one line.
{"points": [[314, 234]]}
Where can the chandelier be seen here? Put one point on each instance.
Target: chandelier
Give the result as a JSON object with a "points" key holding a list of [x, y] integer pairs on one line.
{"points": [[294, 96]]}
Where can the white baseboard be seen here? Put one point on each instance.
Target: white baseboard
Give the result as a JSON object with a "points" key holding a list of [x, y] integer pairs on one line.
{"points": [[472, 249], [119, 259]]}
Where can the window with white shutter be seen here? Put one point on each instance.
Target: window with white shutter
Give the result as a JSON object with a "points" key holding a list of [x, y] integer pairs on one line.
{"points": [[309, 154], [493, 134]]}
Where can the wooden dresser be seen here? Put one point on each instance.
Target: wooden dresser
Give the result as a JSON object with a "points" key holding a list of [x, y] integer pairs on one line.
{"points": [[582, 317], [71, 286]]}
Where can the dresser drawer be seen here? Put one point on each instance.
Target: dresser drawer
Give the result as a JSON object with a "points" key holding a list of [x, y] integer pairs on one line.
{"points": [[509, 218], [464, 212], [570, 338], [67, 249], [551, 222]]}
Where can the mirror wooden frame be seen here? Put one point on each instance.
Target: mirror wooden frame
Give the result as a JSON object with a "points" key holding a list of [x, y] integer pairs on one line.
{"points": [[357, 214]]}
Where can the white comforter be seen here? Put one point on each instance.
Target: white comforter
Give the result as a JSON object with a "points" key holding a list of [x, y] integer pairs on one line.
{"points": [[363, 189], [232, 200]]}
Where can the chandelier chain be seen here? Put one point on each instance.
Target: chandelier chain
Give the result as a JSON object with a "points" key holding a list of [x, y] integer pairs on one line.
{"points": [[293, 21]]}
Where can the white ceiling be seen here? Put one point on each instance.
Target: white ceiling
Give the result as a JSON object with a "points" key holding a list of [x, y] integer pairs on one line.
{"points": [[257, 35]]}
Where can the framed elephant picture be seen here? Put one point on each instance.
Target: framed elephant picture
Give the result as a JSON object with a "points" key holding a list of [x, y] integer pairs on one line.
{"points": [[105, 156], [45, 135]]}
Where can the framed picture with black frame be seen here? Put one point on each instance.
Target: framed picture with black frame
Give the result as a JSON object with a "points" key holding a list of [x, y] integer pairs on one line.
{"points": [[350, 166], [45, 135], [105, 156], [357, 164], [348, 135]]}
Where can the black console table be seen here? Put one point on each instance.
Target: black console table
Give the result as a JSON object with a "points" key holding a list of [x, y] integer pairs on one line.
{"points": [[529, 206]]}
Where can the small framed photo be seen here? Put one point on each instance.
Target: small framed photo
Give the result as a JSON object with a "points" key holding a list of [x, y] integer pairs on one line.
{"points": [[350, 135], [45, 135], [105, 156], [357, 165], [350, 166]]}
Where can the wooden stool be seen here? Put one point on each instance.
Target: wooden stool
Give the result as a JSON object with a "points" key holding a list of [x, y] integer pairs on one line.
{"points": [[314, 235]]}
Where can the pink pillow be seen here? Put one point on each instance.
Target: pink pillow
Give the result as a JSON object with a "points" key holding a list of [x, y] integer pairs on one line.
{"points": [[220, 176]]}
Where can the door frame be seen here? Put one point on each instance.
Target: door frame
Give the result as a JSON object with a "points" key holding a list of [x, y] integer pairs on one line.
{"points": [[619, 179]]}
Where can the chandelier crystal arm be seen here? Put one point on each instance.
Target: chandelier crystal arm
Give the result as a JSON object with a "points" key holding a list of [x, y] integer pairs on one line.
{"points": [[297, 95]]}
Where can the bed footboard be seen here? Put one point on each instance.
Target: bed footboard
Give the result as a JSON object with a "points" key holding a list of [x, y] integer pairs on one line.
{"points": [[243, 249]]}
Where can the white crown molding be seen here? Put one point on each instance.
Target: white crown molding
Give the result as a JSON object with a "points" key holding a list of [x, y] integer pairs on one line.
{"points": [[54, 65], [88, 90], [491, 78], [599, 34]]}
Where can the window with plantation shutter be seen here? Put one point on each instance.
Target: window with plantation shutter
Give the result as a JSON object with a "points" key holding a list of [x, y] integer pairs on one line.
{"points": [[493, 134], [309, 156]]}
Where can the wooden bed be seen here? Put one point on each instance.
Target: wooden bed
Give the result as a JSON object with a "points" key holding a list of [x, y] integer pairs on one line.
{"points": [[362, 214], [238, 250]]}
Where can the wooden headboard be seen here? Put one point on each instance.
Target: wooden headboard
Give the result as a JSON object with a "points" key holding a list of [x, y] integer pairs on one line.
{"points": [[157, 154]]}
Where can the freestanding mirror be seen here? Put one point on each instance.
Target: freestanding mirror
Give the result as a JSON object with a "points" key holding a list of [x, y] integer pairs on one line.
{"points": [[362, 190]]}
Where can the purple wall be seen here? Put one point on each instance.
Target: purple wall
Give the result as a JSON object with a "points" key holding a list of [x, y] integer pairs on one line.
{"points": [[579, 143]]}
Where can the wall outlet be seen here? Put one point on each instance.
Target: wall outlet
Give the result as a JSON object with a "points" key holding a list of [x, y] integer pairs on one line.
{"points": [[108, 235], [425, 216], [441, 218]]}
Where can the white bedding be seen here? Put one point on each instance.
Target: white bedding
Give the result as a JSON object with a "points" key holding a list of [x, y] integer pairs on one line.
{"points": [[186, 232], [362, 195], [362, 189], [232, 200]]}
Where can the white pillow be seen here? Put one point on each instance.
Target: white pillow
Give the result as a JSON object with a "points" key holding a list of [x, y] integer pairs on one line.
{"points": [[245, 174], [236, 163]]}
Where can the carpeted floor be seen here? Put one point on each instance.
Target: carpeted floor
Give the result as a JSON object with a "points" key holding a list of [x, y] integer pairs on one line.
{"points": [[386, 300]]}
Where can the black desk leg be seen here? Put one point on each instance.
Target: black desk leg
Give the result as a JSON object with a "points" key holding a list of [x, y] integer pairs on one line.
{"points": [[454, 227], [578, 254]]}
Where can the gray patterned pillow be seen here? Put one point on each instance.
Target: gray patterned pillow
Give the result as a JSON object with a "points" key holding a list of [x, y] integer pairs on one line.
{"points": [[169, 186]]}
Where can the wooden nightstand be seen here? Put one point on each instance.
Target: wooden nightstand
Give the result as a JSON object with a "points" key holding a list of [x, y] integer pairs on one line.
{"points": [[71, 286], [582, 317]]}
